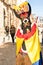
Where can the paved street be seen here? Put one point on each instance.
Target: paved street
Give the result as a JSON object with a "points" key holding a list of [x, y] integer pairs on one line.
{"points": [[7, 54]]}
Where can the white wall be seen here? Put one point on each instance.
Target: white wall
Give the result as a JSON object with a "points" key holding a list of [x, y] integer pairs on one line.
{"points": [[1, 14]]}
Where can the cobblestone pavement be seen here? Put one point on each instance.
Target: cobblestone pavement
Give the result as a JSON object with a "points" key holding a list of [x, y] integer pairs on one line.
{"points": [[7, 54]]}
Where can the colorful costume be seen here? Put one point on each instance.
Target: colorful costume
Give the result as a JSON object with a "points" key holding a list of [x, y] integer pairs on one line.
{"points": [[31, 39]]}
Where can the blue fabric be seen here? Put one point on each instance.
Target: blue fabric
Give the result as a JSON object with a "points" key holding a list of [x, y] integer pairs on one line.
{"points": [[37, 63], [40, 61]]}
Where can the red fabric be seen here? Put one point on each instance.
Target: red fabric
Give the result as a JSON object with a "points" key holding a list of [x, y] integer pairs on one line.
{"points": [[27, 35]]}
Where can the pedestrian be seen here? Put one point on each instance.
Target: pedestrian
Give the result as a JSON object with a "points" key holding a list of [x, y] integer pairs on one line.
{"points": [[7, 30], [12, 32], [27, 39]]}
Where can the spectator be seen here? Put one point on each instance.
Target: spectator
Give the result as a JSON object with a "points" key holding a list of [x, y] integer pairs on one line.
{"points": [[7, 30], [12, 32]]}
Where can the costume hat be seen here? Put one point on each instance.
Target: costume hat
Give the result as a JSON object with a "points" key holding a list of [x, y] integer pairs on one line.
{"points": [[19, 4]]}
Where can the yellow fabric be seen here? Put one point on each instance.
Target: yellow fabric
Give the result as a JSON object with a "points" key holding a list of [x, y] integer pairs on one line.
{"points": [[20, 6], [19, 42], [16, 7], [23, 4], [33, 47]]}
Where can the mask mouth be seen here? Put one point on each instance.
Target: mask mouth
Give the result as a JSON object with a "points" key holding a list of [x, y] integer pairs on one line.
{"points": [[28, 24], [25, 20]]}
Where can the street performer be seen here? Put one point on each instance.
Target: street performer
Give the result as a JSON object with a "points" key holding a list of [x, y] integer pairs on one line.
{"points": [[27, 39]]}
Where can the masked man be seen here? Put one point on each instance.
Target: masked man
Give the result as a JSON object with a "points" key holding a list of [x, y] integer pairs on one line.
{"points": [[27, 40]]}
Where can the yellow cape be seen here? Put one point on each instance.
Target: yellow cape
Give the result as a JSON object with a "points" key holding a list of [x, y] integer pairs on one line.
{"points": [[32, 46]]}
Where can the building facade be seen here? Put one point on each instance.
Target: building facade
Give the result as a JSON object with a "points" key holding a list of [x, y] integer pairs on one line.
{"points": [[7, 16]]}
